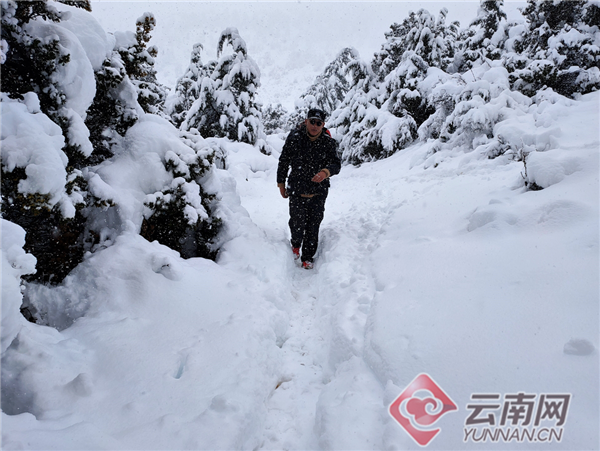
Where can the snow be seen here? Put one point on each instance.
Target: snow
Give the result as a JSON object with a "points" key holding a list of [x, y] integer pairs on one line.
{"points": [[30, 140], [76, 78], [435, 260], [457, 271], [95, 41]]}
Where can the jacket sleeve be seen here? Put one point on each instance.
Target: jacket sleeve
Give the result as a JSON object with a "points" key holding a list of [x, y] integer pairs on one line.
{"points": [[334, 163], [284, 160]]}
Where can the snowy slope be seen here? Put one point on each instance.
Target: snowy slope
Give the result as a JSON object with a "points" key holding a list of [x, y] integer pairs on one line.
{"points": [[456, 271]]}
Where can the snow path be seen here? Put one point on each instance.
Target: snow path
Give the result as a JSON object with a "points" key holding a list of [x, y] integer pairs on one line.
{"points": [[323, 376]]}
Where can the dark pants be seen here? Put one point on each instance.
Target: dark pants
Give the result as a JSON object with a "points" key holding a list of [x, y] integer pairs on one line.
{"points": [[306, 214]]}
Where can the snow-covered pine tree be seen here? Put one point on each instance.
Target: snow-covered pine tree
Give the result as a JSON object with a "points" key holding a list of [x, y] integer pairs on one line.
{"points": [[390, 55], [275, 118], [562, 42], [484, 37], [139, 65], [114, 110], [47, 206], [227, 105], [330, 87], [379, 122], [349, 121], [431, 39], [429, 43], [187, 89]]}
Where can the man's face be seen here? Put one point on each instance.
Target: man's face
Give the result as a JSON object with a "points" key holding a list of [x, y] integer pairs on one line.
{"points": [[314, 126]]}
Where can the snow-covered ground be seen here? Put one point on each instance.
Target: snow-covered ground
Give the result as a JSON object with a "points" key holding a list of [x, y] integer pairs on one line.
{"points": [[456, 271]]}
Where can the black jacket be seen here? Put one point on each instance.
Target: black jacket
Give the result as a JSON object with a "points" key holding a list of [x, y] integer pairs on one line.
{"points": [[307, 158]]}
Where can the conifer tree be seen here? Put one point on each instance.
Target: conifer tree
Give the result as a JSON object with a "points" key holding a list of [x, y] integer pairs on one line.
{"points": [[139, 66], [394, 47], [114, 109], [330, 87], [83, 4], [187, 89], [432, 40], [30, 66], [383, 111], [484, 37], [349, 118], [275, 118], [561, 43], [227, 105]]}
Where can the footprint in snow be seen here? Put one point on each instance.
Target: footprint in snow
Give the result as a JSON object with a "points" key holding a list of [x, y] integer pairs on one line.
{"points": [[579, 346]]}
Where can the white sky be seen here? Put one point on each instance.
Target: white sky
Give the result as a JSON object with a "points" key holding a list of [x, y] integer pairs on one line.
{"points": [[291, 41]]}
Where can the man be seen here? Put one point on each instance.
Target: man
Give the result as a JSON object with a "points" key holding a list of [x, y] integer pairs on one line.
{"points": [[311, 153]]}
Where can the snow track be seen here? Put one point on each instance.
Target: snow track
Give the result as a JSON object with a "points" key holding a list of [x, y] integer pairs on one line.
{"points": [[324, 382], [290, 418]]}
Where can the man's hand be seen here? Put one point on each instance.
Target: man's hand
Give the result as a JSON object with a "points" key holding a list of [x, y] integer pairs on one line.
{"points": [[322, 175], [282, 190]]}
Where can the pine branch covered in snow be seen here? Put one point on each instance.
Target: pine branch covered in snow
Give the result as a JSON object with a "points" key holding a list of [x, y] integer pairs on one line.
{"points": [[484, 38]]}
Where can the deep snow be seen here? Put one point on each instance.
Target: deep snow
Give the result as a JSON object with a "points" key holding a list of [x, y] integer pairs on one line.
{"points": [[456, 271]]}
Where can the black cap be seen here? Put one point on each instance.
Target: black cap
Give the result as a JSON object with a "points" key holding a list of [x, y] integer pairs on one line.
{"points": [[315, 113]]}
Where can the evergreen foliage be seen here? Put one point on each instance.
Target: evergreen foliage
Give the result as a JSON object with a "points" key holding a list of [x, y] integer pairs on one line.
{"points": [[180, 216], [187, 89], [430, 39], [64, 219], [330, 87], [110, 115], [227, 105], [275, 119], [423, 83], [30, 65], [139, 66], [84, 4], [562, 44], [484, 38]]}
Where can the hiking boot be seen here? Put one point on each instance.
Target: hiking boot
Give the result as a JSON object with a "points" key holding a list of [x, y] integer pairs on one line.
{"points": [[296, 251], [307, 265]]}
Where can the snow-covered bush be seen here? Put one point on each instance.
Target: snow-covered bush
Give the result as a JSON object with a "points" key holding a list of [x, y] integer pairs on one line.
{"points": [[562, 44], [378, 135], [180, 215], [114, 110]]}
